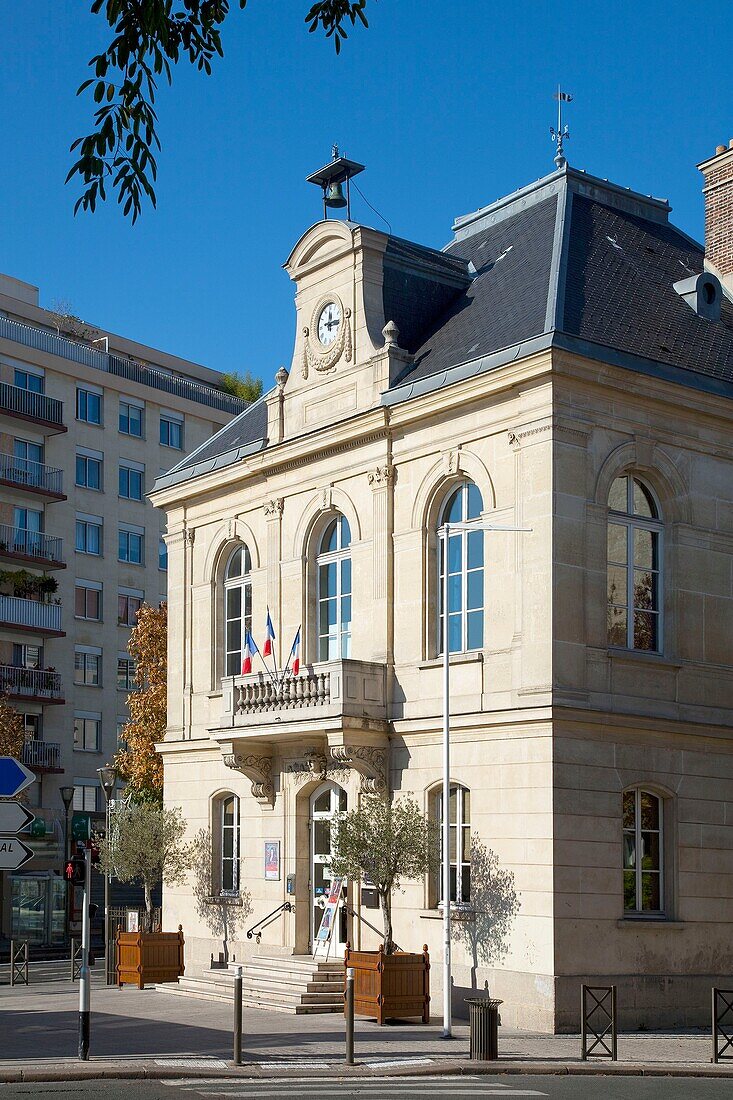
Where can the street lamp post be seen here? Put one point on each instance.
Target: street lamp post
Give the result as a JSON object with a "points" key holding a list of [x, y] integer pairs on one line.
{"points": [[107, 779], [67, 797], [445, 533]]}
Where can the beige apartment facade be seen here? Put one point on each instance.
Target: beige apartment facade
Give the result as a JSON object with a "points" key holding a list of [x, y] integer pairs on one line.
{"points": [[507, 379], [87, 421]]}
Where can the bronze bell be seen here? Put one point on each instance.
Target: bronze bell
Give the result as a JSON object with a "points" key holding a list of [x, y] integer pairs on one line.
{"points": [[335, 197]]}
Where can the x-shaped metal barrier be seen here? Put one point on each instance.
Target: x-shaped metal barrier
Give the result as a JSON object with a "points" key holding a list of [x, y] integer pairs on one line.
{"points": [[598, 1015], [722, 1025]]}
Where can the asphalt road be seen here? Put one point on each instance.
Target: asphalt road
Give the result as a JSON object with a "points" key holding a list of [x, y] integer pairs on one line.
{"points": [[403, 1088]]}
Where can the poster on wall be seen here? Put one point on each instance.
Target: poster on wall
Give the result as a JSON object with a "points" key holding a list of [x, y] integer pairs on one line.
{"points": [[272, 859], [133, 920], [330, 911]]}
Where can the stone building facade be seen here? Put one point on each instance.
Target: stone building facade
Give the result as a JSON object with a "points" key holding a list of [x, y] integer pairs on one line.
{"points": [[564, 366]]}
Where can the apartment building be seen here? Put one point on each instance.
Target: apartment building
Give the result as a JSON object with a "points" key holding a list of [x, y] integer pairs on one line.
{"points": [[87, 421]]}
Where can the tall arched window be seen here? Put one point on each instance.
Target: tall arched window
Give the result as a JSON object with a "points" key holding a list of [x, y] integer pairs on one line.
{"points": [[334, 591], [643, 853], [460, 843], [229, 841], [465, 572], [634, 557], [237, 608]]}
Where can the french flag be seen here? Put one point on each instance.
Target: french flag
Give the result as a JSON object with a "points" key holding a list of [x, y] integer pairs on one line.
{"points": [[269, 637], [295, 654], [249, 651]]}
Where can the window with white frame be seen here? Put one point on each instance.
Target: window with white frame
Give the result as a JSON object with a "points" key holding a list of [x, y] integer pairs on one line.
{"points": [[171, 431], [28, 380], [88, 600], [131, 545], [28, 525], [634, 566], [87, 795], [26, 655], [89, 469], [26, 454], [87, 731], [132, 419], [126, 673], [131, 479], [465, 572], [87, 666], [334, 591], [237, 608], [643, 853], [229, 844], [32, 727], [89, 405], [460, 844], [129, 602], [88, 534]]}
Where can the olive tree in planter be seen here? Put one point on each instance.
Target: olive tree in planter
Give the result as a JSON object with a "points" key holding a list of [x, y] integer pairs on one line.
{"points": [[146, 846], [387, 843]]}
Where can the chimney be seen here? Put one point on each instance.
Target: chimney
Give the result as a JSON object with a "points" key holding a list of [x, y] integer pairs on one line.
{"points": [[718, 192]]}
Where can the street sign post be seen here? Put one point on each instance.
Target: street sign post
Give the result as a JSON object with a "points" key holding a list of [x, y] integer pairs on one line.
{"points": [[14, 817], [13, 853], [14, 777], [84, 986]]}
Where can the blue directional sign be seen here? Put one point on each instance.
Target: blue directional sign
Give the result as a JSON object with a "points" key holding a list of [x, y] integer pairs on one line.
{"points": [[14, 777]]}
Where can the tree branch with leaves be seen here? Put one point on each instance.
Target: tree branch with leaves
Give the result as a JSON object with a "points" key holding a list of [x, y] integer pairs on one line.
{"points": [[12, 730], [138, 763]]}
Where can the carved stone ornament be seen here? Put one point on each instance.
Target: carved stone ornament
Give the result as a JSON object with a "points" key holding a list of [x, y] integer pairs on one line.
{"points": [[274, 507], [369, 762], [315, 356], [391, 335], [451, 461], [302, 771], [258, 770], [325, 498], [380, 476], [281, 378]]}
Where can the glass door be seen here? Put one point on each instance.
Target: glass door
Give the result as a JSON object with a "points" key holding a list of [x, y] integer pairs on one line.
{"points": [[326, 802]]}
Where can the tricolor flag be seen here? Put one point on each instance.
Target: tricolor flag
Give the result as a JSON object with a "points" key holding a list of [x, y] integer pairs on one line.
{"points": [[249, 651], [295, 654], [269, 637], [564, 97]]}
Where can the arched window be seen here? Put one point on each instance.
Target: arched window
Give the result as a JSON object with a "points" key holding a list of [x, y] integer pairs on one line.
{"points": [[237, 608], [229, 844], [460, 843], [643, 853], [634, 557], [334, 591], [465, 572]]}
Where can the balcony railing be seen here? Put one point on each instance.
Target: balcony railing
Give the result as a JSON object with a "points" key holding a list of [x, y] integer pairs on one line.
{"points": [[31, 475], [43, 617], [34, 682], [348, 688], [30, 544], [30, 405], [42, 754], [125, 368]]}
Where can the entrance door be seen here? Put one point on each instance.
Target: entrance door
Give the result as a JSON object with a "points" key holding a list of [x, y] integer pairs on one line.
{"points": [[326, 802]]}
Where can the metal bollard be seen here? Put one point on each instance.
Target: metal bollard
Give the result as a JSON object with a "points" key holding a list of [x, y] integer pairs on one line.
{"points": [[349, 1015], [238, 1016]]}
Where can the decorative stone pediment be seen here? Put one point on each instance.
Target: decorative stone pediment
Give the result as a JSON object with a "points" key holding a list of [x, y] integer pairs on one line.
{"points": [[368, 760]]}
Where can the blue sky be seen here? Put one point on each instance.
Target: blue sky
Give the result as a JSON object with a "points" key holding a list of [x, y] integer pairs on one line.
{"points": [[447, 103]]}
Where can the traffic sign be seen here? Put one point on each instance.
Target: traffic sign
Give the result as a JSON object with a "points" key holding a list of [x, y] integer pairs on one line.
{"points": [[13, 853], [14, 817], [81, 826], [14, 777]]}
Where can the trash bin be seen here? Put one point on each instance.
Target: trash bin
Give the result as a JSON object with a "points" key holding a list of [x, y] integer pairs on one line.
{"points": [[483, 1018]]}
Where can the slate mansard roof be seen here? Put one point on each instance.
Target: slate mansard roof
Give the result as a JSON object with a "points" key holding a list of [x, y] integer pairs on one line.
{"points": [[570, 261]]}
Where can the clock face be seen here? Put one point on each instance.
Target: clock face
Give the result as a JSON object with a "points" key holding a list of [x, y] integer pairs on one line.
{"points": [[329, 323]]}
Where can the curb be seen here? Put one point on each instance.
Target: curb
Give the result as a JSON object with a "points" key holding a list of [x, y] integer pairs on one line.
{"points": [[151, 1072]]}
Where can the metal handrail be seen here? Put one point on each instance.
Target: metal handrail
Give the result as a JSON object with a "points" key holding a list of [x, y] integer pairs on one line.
{"points": [[32, 544], [17, 680], [16, 399], [261, 925], [21, 612], [348, 910], [31, 474]]}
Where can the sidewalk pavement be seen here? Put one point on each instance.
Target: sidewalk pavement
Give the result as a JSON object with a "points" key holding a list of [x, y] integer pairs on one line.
{"points": [[146, 1033]]}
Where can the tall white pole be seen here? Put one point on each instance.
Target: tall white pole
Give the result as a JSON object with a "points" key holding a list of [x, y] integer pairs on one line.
{"points": [[447, 1013], [84, 972]]}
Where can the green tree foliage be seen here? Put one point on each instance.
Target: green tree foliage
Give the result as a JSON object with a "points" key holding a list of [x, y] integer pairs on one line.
{"points": [[385, 842], [146, 847], [245, 385], [150, 37]]}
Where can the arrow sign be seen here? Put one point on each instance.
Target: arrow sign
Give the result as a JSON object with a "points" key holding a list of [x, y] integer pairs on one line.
{"points": [[13, 853], [14, 777], [14, 817]]}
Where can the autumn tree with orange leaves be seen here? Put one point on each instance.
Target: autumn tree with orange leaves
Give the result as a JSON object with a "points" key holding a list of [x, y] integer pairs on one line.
{"points": [[137, 762], [12, 730]]}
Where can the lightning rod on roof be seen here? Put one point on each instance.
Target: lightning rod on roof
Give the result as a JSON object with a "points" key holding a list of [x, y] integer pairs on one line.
{"points": [[562, 133]]}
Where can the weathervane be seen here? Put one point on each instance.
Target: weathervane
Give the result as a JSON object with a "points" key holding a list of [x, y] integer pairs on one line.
{"points": [[562, 133]]}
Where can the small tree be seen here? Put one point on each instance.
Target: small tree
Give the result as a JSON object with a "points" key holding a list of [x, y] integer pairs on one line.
{"points": [[245, 385], [385, 842], [146, 847], [12, 730], [138, 762]]}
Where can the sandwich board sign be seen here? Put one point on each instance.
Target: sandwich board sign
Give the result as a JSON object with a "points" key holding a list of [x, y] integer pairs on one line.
{"points": [[328, 920]]}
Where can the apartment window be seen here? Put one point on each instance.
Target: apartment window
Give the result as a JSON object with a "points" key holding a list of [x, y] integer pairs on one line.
{"points": [[88, 600], [334, 591], [89, 469], [87, 729], [129, 603], [460, 844], [27, 531], [131, 480], [162, 555], [27, 453], [27, 656], [130, 545], [28, 380], [88, 405], [32, 727], [87, 666], [171, 431], [87, 796], [634, 566], [88, 534], [643, 870], [121, 740], [125, 673], [465, 572], [131, 419]]}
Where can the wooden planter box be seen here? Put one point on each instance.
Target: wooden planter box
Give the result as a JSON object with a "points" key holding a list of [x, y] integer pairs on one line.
{"points": [[390, 986], [147, 957]]}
